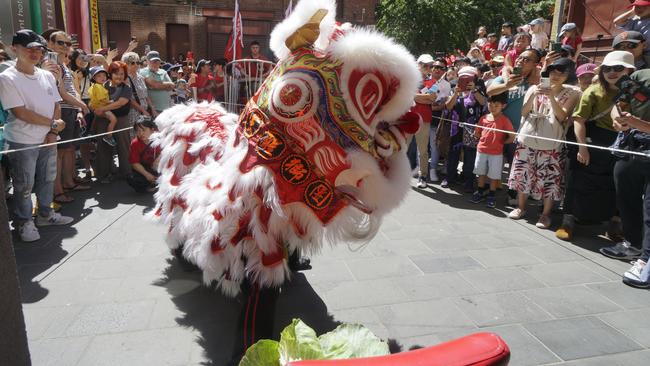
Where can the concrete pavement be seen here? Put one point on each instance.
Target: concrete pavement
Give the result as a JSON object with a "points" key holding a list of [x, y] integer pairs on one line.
{"points": [[105, 291]]}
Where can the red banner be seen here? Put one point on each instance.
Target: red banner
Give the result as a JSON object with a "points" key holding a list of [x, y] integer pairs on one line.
{"points": [[236, 37]]}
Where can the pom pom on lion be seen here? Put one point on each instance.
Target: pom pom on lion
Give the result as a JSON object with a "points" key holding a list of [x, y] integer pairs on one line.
{"points": [[317, 156]]}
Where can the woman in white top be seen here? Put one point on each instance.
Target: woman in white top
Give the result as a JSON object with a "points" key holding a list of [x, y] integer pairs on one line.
{"points": [[141, 101]]}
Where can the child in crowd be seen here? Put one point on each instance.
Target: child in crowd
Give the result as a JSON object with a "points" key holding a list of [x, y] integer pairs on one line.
{"points": [[99, 97], [521, 43], [489, 160], [143, 158], [538, 34], [571, 36], [182, 92], [505, 42]]}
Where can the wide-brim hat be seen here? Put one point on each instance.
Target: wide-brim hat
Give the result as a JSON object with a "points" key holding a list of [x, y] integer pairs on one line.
{"points": [[622, 58]]}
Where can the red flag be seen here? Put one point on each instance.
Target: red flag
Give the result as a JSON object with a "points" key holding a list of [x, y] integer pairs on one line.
{"points": [[236, 34]]}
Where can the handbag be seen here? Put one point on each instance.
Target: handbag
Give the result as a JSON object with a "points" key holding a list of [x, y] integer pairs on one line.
{"points": [[541, 122]]}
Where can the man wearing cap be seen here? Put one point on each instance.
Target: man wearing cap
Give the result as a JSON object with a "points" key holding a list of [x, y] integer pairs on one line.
{"points": [[31, 97], [634, 43], [636, 19], [506, 37], [160, 85], [425, 97], [203, 81]]}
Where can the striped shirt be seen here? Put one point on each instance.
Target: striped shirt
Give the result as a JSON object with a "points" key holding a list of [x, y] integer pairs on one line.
{"points": [[68, 85]]}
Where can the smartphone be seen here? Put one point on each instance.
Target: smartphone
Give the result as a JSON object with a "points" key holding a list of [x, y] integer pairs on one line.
{"points": [[112, 45], [147, 49], [52, 57], [556, 47], [545, 83], [516, 70], [463, 82]]}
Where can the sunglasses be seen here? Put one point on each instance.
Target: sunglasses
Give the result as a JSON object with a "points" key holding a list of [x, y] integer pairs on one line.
{"points": [[626, 46], [617, 68], [64, 43], [561, 69]]}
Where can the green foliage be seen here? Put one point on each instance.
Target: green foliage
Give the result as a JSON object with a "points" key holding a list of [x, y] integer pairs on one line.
{"points": [[299, 342], [427, 26]]}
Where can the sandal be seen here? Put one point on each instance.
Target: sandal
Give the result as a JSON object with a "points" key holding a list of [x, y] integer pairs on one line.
{"points": [[62, 198], [77, 187]]}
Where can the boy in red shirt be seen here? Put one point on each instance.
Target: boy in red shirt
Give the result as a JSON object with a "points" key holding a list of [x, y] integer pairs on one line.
{"points": [[489, 160], [143, 158]]}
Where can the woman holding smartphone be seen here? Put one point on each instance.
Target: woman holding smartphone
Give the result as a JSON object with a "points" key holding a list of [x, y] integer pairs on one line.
{"points": [[539, 165], [591, 196]]}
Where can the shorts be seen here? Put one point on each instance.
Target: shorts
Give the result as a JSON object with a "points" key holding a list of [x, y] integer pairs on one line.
{"points": [[488, 164], [71, 130]]}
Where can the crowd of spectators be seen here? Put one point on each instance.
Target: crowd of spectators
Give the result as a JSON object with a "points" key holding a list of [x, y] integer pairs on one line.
{"points": [[563, 133], [504, 113]]}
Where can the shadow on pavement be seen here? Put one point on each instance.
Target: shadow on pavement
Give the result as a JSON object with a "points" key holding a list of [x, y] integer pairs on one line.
{"points": [[37, 257]]}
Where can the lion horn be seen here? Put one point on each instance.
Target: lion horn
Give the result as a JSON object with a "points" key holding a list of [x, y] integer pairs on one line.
{"points": [[306, 35]]}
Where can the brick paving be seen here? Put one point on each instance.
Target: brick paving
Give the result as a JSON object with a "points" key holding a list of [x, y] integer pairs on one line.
{"points": [[105, 291]]}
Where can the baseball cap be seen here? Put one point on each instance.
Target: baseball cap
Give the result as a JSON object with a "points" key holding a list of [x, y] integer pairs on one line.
{"points": [[498, 59], [153, 56], [628, 36], [425, 59], [29, 39], [585, 69], [562, 64], [492, 35], [538, 21], [96, 70], [467, 71], [200, 64], [567, 27], [640, 3]]}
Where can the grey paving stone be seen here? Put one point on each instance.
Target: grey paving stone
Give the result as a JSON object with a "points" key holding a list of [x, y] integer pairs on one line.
{"points": [[360, 294], [325, 270], [111, 318], [411, 343], [553, 253], [564, 273], [58, 351], [395, 266], [506, 239], [627, 297], [632, 323], [571, 301], [78, 292], [413, 232], [505, 257], [500, 280], [171, 346], [525, 349], [436, 263], [422, 317], [434, 286], [364, 316], [621, 359], [580, 337], [499, 309], [398, 247], [50, 322], [451, 243]]}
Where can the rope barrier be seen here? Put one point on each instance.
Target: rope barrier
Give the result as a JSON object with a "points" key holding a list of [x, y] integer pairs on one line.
{"points": [[611, 149], [63, 141], [638, 153]]}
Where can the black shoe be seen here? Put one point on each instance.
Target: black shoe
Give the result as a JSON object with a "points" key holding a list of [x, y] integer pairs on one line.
{"points": [[299, 263]]}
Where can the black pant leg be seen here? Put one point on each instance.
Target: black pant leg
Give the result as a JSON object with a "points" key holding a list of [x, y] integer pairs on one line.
{"points": [[630, 185]]}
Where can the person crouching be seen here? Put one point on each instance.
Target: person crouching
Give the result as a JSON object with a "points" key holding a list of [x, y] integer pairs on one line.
{"points": [[143, 158]]}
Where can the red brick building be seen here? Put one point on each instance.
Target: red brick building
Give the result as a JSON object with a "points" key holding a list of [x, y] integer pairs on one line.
{"points": [[174, 27]]}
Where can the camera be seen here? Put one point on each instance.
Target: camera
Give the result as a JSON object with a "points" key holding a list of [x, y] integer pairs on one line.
{"points": [[631, 90]]}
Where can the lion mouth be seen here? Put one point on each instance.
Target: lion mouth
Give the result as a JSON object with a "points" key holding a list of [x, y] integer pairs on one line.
{"points": [[351, 195]]}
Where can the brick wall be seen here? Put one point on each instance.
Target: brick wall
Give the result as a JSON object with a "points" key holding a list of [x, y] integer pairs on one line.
{"points": [[148, 23]]}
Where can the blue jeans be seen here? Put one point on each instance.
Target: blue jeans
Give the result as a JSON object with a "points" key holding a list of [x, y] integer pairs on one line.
{"points": [[31, 170]]}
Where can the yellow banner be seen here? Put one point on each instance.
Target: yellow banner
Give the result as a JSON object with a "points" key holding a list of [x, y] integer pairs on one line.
{"points": [[94, 26]]}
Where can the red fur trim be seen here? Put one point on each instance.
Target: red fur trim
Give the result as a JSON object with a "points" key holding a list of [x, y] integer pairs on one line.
{"points": [[242, 229], [215, 246]]}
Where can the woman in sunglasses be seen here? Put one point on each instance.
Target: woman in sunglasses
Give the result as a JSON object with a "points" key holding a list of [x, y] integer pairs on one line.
{"points": [[539, 165], [590, 195], [634, 43]]}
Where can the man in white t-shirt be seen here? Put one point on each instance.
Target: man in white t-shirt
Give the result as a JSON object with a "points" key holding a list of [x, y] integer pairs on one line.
{"points": [[32, 99]]}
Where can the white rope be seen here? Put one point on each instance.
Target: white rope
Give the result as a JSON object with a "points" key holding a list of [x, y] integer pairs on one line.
{"points": [[63, 141], [638, 153]]}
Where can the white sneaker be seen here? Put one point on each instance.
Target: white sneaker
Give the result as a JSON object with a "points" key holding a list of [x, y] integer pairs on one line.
{"points": [[54, 219], [421, 183], [635, 272], [433, 175], [28, 232], [517, 214]]}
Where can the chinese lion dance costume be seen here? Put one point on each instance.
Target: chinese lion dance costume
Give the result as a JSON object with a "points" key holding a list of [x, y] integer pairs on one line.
{"points": [[316, 156]]}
